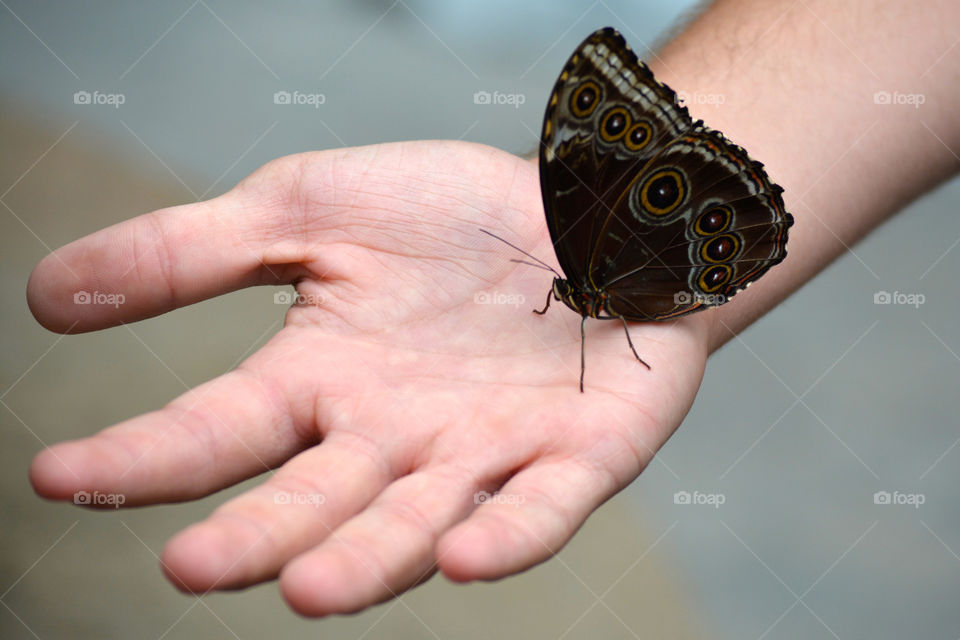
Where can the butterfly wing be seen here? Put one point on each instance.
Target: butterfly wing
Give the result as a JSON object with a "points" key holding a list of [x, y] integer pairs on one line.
{"points": [[697, 225], [662, 213], [606, 118]]}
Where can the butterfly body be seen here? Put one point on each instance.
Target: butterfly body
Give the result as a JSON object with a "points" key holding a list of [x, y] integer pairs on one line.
{"points": [[652, 215], [585, 300]]}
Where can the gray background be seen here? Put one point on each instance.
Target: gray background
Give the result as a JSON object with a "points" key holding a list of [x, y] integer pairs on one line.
{"points": [[828, 400]]}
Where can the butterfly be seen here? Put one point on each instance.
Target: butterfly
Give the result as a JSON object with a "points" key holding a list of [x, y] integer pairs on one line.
{"points": [[652, 215]]}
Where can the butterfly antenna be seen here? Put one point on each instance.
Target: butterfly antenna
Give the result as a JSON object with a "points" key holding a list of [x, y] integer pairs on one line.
{"points": [[531, 264], [539, 263]]}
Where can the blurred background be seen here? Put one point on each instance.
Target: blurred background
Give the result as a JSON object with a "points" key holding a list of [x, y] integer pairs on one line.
{"points": [[811, 492]]}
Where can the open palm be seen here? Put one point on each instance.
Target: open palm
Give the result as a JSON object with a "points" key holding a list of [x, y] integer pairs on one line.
{"points": [[409, 385]]}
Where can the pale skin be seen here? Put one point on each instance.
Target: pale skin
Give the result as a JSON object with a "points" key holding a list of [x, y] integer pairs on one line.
{"points": [[396, 397]]}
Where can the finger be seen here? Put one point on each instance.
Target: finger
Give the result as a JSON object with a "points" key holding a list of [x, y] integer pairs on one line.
{"points": [[157, 262], [383, 551], [222, 432], [249, 538], [526, 522]]}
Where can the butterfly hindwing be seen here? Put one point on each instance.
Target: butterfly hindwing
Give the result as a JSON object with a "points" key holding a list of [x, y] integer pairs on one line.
{"points": [[697, 225]]}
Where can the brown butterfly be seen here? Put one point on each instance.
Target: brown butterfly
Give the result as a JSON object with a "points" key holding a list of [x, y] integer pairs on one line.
{"points": [[652, 215]]}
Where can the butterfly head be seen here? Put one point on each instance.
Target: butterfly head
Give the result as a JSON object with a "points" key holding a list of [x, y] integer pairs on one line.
{"points": [[584, 300]]}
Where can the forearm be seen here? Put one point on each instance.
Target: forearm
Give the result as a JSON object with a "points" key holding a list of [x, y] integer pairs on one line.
{"points": [[795, 83]]}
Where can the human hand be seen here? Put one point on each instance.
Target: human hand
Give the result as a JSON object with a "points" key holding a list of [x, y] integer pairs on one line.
{"points": [[390, 398]]}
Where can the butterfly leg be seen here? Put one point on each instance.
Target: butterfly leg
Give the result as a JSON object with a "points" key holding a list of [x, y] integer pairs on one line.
{"points": [[583, 346], [547, 306], [630, 342]]}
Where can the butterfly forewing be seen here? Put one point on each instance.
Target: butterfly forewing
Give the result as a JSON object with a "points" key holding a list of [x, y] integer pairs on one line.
{"points": [[605, 119]]}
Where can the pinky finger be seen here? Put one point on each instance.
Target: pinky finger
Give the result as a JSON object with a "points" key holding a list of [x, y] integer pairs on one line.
{"points": [[529, 520]]}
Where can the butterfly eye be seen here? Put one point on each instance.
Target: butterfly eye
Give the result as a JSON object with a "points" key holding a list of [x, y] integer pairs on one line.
{"points": [[713, 220], [714, 277], [585, 99], [720, 249], [614, 124], [663, 192], [638, 136]]}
